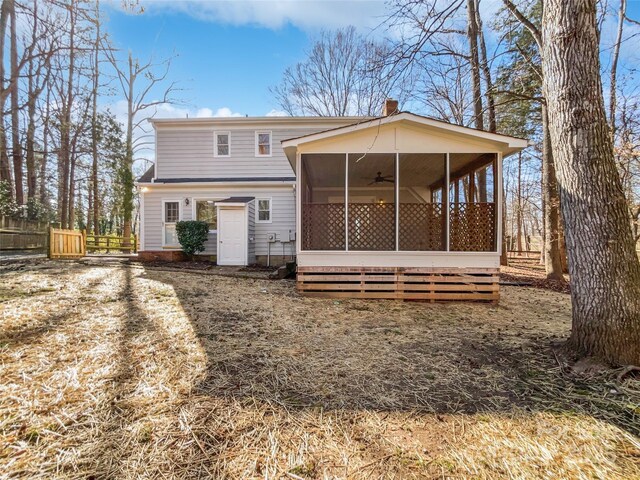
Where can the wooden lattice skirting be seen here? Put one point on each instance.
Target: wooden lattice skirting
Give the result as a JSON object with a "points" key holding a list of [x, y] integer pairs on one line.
{"points": [[431, 284]]}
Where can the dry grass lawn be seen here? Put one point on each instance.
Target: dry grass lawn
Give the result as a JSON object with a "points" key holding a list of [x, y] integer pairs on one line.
{"points": [[116, 371]]}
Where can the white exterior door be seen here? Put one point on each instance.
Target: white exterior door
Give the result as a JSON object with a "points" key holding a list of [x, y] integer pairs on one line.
{"points": [[232, 236]]}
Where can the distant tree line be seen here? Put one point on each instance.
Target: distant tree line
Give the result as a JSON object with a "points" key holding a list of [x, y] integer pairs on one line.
{"points": [[64, 157]]}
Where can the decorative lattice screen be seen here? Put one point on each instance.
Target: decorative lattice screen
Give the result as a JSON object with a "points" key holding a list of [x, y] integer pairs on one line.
{"points": [[421, 226], [372, 226], [472, 227], [323, 226]]}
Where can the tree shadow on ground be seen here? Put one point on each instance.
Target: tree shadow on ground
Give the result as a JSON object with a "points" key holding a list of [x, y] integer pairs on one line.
{"points": [[192, 376], [265, 343]]}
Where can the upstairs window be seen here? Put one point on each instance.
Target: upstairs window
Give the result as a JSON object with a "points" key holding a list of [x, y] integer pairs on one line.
{"points": [[263, 144], [264, 210], [222, 144]]}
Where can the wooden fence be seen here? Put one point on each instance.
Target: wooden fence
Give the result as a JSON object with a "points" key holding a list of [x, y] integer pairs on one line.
{"points": [[21, 234], [107, 243], [66, 243]]}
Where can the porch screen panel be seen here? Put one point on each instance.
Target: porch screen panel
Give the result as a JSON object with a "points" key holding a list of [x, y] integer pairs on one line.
{"points": [[322, 201], [472, 202], [422, 217], [371, 201]]}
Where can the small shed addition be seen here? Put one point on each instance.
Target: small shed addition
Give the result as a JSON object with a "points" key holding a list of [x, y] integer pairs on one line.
{"points": [[236, 231]]}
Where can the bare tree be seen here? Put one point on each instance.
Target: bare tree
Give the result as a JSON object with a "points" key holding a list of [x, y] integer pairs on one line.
{"points": [[344, 74], [622, 11], [604, 267], [474, 62], [139, 109], [5, 168], [486, 71]]}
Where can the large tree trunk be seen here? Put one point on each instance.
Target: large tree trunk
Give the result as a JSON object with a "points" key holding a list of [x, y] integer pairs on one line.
{"points": [[472, 34], [604, 268], [551, 206]]}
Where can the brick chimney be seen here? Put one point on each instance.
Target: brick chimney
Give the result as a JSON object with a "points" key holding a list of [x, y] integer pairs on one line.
{"points": [[390, 107]]}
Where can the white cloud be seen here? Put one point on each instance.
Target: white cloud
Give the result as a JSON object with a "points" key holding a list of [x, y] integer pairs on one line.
{"points": [[226, 112], [204, 113], [274, 14], [276, 113]]}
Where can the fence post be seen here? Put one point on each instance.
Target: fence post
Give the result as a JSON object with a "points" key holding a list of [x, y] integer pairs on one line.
{"points": [[50, 242], [135, 244], [83, 247]]}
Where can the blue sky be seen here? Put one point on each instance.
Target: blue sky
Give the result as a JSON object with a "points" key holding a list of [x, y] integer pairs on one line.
{"points": [[228, 53]]}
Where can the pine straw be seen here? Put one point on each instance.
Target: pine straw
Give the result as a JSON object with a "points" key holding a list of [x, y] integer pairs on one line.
{"points": [[122, 372]]}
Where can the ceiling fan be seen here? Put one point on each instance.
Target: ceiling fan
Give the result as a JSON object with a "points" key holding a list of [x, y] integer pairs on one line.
{"points": [[380, 179]]}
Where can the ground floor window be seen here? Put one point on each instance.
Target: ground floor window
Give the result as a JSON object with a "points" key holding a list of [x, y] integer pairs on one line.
{"points": [[264, 210], [206, 211], [171, 215]]}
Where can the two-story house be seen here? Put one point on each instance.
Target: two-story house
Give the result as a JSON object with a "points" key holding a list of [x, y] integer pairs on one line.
{"points": [[398, 206], [228, 170]]}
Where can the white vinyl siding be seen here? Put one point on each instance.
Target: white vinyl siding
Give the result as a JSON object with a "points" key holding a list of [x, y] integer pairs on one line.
{"points": [[283, 213], [251, 251], [188, 153]]}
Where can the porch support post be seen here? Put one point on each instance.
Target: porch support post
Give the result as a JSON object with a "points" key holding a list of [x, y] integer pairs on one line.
{"points": [[397, 200], [445, 201], [299, 199], [497, 195], [346, 202]]}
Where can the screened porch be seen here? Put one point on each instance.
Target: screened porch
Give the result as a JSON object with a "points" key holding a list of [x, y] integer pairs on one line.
{"points": [[397, 202], [402, 202]]}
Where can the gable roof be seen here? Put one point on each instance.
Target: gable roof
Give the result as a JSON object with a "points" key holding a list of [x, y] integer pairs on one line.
{"points": [[410, 117], [147, 177]]}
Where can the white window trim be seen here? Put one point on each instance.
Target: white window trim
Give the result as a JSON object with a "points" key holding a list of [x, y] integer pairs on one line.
{"points": [[215, 142], [258, 132], [170, 200], [207, 199], [270, 210]]}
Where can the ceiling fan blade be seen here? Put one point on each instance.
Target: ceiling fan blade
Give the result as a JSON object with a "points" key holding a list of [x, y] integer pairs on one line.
{"points": [[371, 183], [389, 180]]}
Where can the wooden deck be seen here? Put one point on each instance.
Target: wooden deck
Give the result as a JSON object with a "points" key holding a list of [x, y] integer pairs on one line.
{"points": [[430, 284]]}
